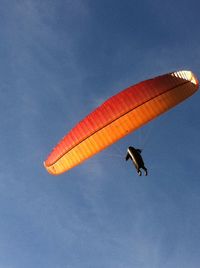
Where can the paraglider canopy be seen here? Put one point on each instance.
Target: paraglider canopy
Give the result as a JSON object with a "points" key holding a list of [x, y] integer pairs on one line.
{"points": [[120, 115]]}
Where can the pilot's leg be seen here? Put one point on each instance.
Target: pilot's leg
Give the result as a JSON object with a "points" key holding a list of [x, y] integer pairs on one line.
{"points": [[145, 169], [139, 172]]}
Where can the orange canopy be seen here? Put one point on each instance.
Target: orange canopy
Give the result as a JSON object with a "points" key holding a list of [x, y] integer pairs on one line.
{"points": [[119, 116]]}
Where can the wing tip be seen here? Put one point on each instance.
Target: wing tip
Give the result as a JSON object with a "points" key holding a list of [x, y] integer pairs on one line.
{"points": [[187, 75], [50, 169]]}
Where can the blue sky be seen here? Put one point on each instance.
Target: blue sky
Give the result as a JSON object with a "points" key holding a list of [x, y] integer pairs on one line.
{"points": [[58, 61]]}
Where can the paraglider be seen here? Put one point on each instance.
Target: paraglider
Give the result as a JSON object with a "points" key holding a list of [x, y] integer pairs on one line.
{"points": [[119, 116], [135, 155]]}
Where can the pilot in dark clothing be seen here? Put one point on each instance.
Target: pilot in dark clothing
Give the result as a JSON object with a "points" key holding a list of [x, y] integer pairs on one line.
{"points": [[135, 156]]}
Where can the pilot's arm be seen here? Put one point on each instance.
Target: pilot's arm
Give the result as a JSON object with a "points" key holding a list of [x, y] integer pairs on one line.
{"points": [[127, 156]]}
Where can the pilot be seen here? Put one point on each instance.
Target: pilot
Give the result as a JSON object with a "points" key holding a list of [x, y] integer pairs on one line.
{"points": [[135, 156]]}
